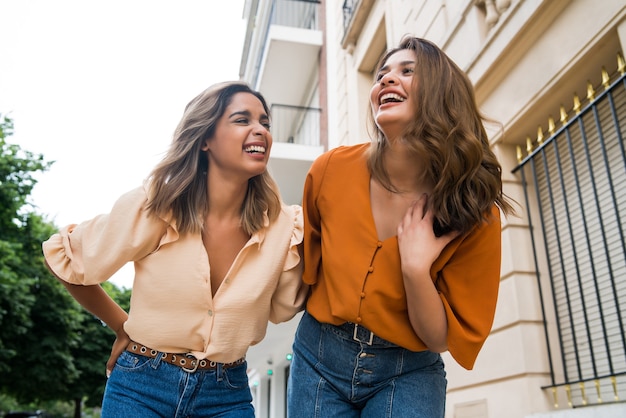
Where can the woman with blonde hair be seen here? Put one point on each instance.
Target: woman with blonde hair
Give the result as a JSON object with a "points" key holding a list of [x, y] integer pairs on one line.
{"points": [[401, 248], [216, 256]]}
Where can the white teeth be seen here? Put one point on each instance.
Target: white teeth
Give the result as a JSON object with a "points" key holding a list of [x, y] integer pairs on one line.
{"points": [[255, 149], [391, 97]]}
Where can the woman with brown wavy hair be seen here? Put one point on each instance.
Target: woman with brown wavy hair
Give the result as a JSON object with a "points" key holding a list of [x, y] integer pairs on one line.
{"points": [[401, 248], [216, 256]]}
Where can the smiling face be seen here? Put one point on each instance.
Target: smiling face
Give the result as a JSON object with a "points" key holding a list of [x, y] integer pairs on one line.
{"points": [[392, 96], [241, 141]]}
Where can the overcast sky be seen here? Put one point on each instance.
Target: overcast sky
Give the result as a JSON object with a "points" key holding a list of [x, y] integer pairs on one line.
{"points": [[99, 87]]}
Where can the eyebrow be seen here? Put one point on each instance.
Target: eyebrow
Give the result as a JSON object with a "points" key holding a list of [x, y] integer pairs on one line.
{"points": [[239, 112], [402, 63], [247, 114]]}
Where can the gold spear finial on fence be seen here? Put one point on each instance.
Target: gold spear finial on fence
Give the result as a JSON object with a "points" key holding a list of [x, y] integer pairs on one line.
{"points": [[539, 135], [551, 126], [555, 397], [582, 392], [614, 384], [621, 64], [577, 105], [591, 93], [563, 115], [529, 145], [606, 79], [520, 157], [568, 391]]}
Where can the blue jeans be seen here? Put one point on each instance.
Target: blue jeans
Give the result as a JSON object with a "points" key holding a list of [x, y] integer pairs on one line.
{"points": [[144, 387], [332, 375]]}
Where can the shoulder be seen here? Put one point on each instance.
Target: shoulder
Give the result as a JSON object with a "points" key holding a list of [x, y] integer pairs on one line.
{"points": [[347, 152], [133, 204], [133, 197], [289, 224], [291, 215], [344, 156]]}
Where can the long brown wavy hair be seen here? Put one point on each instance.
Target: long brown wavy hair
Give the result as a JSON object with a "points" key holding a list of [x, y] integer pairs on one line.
{"points": [[447, 134], [177, 186]]}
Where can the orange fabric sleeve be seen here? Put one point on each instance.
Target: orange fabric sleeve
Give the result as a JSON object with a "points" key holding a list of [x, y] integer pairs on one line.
{"points": [[468, 286]]}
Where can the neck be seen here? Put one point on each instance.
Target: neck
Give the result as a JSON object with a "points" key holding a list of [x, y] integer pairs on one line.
{"points": [[404, 168], [225, 198]]}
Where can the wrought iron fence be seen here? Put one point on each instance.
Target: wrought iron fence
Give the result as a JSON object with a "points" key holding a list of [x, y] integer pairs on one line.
{"points": [[575, 190]]}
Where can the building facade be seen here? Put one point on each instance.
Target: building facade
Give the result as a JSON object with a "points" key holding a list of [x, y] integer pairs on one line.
{"points": [[550, 75]]}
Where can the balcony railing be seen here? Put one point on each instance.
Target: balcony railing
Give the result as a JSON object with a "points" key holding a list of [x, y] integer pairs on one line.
{"points": [[349, 6], [295, 14], [296, 124], [301, 14]]}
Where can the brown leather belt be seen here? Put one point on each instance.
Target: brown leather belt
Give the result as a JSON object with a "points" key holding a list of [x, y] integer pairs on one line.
{"points": [[187, 362]]}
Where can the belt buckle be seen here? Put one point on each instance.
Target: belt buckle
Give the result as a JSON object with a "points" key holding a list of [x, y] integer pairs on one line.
{"points": [[194, 361], [355, 337]]}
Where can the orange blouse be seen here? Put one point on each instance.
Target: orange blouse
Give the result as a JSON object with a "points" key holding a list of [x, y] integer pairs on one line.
{"points": [[356, 277]]}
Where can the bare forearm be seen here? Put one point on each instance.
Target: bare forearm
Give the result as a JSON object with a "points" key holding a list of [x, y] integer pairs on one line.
{"points": [[426, 311], [98, 302]]}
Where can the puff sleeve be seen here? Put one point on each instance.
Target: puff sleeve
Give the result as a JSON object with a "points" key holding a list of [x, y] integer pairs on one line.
{"points": [[291, 292], [91, 252]]}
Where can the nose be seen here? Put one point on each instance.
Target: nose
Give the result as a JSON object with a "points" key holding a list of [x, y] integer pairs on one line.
{"points": [[259, 129], [388, 78]]}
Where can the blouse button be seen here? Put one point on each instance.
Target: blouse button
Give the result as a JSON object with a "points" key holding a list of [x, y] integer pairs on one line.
{"points": [[362, 295], [371, 269], [379, 244], [210, 312], [358, 319]]}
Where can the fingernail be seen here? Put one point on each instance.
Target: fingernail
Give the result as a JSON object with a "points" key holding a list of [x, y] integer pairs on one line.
{"points": [[108, 373]]}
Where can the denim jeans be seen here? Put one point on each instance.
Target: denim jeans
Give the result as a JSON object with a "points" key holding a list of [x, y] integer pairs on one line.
{"points": [[143, 387], [332, 375]]}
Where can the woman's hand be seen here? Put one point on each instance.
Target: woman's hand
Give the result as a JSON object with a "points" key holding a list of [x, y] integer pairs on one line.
{"points": [[418, 244], [419, 248], [119, 345]]}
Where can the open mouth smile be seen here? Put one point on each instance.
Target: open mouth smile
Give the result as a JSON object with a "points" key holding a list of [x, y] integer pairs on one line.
{"points": [[391, 98], [255, 149]]}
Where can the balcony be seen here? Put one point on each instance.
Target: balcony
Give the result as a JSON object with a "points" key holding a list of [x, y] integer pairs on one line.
{"points": [[289, 58], [296, 133], [281, 59], [355, 14]]}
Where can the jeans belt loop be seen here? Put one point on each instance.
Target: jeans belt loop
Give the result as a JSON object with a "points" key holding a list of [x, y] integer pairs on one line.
{"points": [[355, 337]]}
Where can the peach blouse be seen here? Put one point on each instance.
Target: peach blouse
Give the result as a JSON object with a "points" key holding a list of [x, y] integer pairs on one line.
{"points": [[172, 309]]}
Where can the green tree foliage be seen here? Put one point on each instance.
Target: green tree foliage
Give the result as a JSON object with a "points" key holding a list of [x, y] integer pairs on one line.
{"points": [[50, 348], [16, 183], [91, 356]]}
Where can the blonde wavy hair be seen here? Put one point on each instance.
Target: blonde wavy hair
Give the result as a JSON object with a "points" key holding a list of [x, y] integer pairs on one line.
{"points": [[177, 186], [447, 133]]}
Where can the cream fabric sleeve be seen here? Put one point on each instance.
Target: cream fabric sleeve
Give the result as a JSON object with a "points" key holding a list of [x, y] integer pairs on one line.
{"points": [[91, 252]]}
